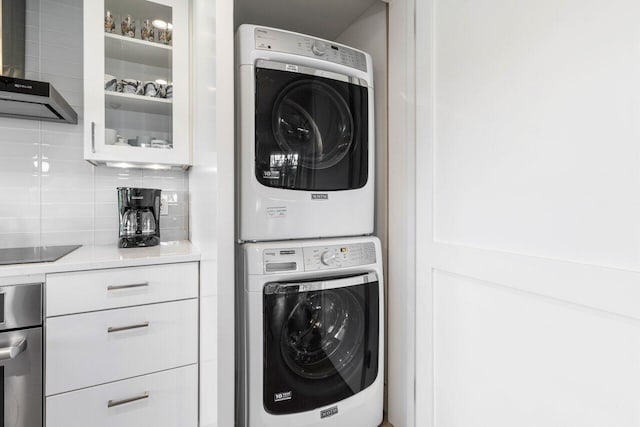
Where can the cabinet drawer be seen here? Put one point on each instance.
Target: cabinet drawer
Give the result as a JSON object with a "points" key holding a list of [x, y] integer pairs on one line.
{"points": [[164, 399], [84, 291], [88, 349]]}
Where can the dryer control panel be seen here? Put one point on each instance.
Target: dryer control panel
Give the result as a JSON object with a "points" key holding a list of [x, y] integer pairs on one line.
{"points": [[279, 41], [339, 256]]}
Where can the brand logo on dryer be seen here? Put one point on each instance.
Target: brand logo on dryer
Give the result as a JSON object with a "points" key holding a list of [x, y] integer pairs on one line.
{"points": [[319, 196], [328, 412]]}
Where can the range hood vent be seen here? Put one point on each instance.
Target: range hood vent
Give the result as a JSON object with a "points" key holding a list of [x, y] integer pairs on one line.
{"points": [[28, 99]]}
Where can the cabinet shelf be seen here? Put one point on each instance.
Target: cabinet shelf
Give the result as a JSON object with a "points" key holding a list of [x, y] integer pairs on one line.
{"points": [[138, 103], [139, 51]]}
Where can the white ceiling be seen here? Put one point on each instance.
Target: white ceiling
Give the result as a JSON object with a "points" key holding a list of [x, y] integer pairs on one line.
{"points": [[321, 18]]}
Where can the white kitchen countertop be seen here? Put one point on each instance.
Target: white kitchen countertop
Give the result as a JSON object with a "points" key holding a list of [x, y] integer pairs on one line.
{"points": [[108, 256]]}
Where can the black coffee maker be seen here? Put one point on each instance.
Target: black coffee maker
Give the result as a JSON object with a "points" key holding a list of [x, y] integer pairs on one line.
{"points": [[139, 217]]}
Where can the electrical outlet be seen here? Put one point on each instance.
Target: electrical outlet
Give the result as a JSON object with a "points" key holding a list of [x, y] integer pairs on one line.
{"points": [[164, 205]]}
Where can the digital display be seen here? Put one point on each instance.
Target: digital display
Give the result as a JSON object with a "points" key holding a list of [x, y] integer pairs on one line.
{"points": [[344, 250]]}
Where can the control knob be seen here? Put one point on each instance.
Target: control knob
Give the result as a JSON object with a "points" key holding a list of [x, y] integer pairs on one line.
{"points": [[319, 48], [327, 257]]}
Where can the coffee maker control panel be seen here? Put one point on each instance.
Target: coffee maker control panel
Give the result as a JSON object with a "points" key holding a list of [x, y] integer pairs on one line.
{"points": [[339, 256]]}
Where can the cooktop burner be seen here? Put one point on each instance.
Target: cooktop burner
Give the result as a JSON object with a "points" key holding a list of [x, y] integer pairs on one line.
{"points": [[35, 254]]}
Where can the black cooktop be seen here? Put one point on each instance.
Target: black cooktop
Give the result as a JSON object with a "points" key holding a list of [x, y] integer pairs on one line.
{"points": [[35, 254]]}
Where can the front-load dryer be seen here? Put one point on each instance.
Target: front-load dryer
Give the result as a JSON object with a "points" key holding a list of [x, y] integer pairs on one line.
{"points": [[306, 137], [311, 333]]}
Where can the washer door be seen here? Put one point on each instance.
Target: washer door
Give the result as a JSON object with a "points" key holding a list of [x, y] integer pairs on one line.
{"points": [[311, 131], [321, 342]]}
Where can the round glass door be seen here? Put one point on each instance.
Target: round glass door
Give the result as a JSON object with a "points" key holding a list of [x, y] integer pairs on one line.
{"points": [[313, 121], [322, 334]]}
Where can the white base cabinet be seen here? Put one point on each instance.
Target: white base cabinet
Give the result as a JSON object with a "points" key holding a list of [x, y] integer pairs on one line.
{"points": [[163, 399], [82, 291], [95, 348], [122, 347]]}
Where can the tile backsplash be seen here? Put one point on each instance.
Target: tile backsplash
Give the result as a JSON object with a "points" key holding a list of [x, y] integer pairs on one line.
{"points": [[50, 194]]}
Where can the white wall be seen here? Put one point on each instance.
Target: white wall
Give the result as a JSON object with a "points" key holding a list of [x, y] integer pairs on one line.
{"points": [[527, 207], [50, 194], [212, 204]]}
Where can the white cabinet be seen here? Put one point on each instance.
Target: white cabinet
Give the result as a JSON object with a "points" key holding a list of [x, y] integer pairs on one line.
{"points": [[163, 399], [123, 335], [82, 291], [103, 346], [129, 126]]}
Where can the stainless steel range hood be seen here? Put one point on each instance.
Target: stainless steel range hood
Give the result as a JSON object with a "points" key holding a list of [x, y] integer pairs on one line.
{"points": [[28, 99], [21, 98]]}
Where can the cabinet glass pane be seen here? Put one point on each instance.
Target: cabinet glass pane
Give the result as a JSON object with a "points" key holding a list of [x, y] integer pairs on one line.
{"points": [[138, 74]]}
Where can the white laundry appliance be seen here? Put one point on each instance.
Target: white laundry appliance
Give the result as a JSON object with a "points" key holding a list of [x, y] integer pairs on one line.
{"points": [[306, 137], [311, 333]]}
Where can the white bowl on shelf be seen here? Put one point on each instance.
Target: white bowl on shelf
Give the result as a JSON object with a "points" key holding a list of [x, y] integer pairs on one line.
{"points": [[161, 143]]}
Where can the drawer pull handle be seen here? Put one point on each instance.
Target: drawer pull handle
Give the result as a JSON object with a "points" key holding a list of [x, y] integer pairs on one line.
{"points": [[112, 403], [134, 285], [9, 353], [126, 328]]}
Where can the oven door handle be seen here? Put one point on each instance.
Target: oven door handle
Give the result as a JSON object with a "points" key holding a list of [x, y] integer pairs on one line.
{"points": [[8, 353]]}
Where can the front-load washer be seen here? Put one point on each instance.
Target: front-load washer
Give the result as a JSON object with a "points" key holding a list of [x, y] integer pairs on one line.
{"points": [[311, 333], [306, 137]]}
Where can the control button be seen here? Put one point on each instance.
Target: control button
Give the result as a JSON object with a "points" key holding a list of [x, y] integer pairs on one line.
{"points": [[319, 48], [327, 257]]}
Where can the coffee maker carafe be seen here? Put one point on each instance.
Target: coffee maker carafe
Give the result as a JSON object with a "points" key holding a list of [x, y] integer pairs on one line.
{"points": [[139, 217]]}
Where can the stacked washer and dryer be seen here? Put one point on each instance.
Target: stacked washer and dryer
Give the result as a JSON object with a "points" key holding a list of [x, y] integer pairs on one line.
{"points": [[310, 286]]}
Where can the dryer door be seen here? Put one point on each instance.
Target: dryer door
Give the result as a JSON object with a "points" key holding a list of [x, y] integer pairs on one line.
{"points": [[321, 341], [311, 128]]}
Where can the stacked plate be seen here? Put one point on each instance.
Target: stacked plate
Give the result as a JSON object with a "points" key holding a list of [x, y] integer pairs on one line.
{"points": [[161, 143]]}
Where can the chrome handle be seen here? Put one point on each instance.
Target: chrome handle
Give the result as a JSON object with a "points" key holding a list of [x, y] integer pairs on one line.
{"points": [[8, 353], [93, 137], [133, 285], [114, 402], [126, 328]]}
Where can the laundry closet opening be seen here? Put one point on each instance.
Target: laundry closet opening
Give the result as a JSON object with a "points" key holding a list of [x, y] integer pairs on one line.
{"points": [[315, 152]]}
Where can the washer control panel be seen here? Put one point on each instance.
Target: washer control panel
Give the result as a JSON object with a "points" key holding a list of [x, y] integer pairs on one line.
{"points": [[282, 260], [339, 256], [279, 41]]}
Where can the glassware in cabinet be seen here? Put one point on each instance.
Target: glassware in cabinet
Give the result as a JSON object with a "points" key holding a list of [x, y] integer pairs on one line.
{"points": [[139, 113]]}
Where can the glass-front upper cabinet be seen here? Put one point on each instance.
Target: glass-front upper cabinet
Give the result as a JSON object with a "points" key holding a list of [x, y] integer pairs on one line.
{"points": [[136, 83]]}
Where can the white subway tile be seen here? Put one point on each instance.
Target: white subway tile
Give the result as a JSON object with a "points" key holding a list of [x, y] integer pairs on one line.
{"points": [[19, 240], [65, 224], [82, 237], [56, 197]]}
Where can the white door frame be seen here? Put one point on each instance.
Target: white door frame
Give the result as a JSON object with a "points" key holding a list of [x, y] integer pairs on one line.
{"points": [[401, 275]]}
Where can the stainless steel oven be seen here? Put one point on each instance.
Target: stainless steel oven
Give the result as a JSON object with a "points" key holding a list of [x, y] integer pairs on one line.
{"points": [[21, 355]]}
